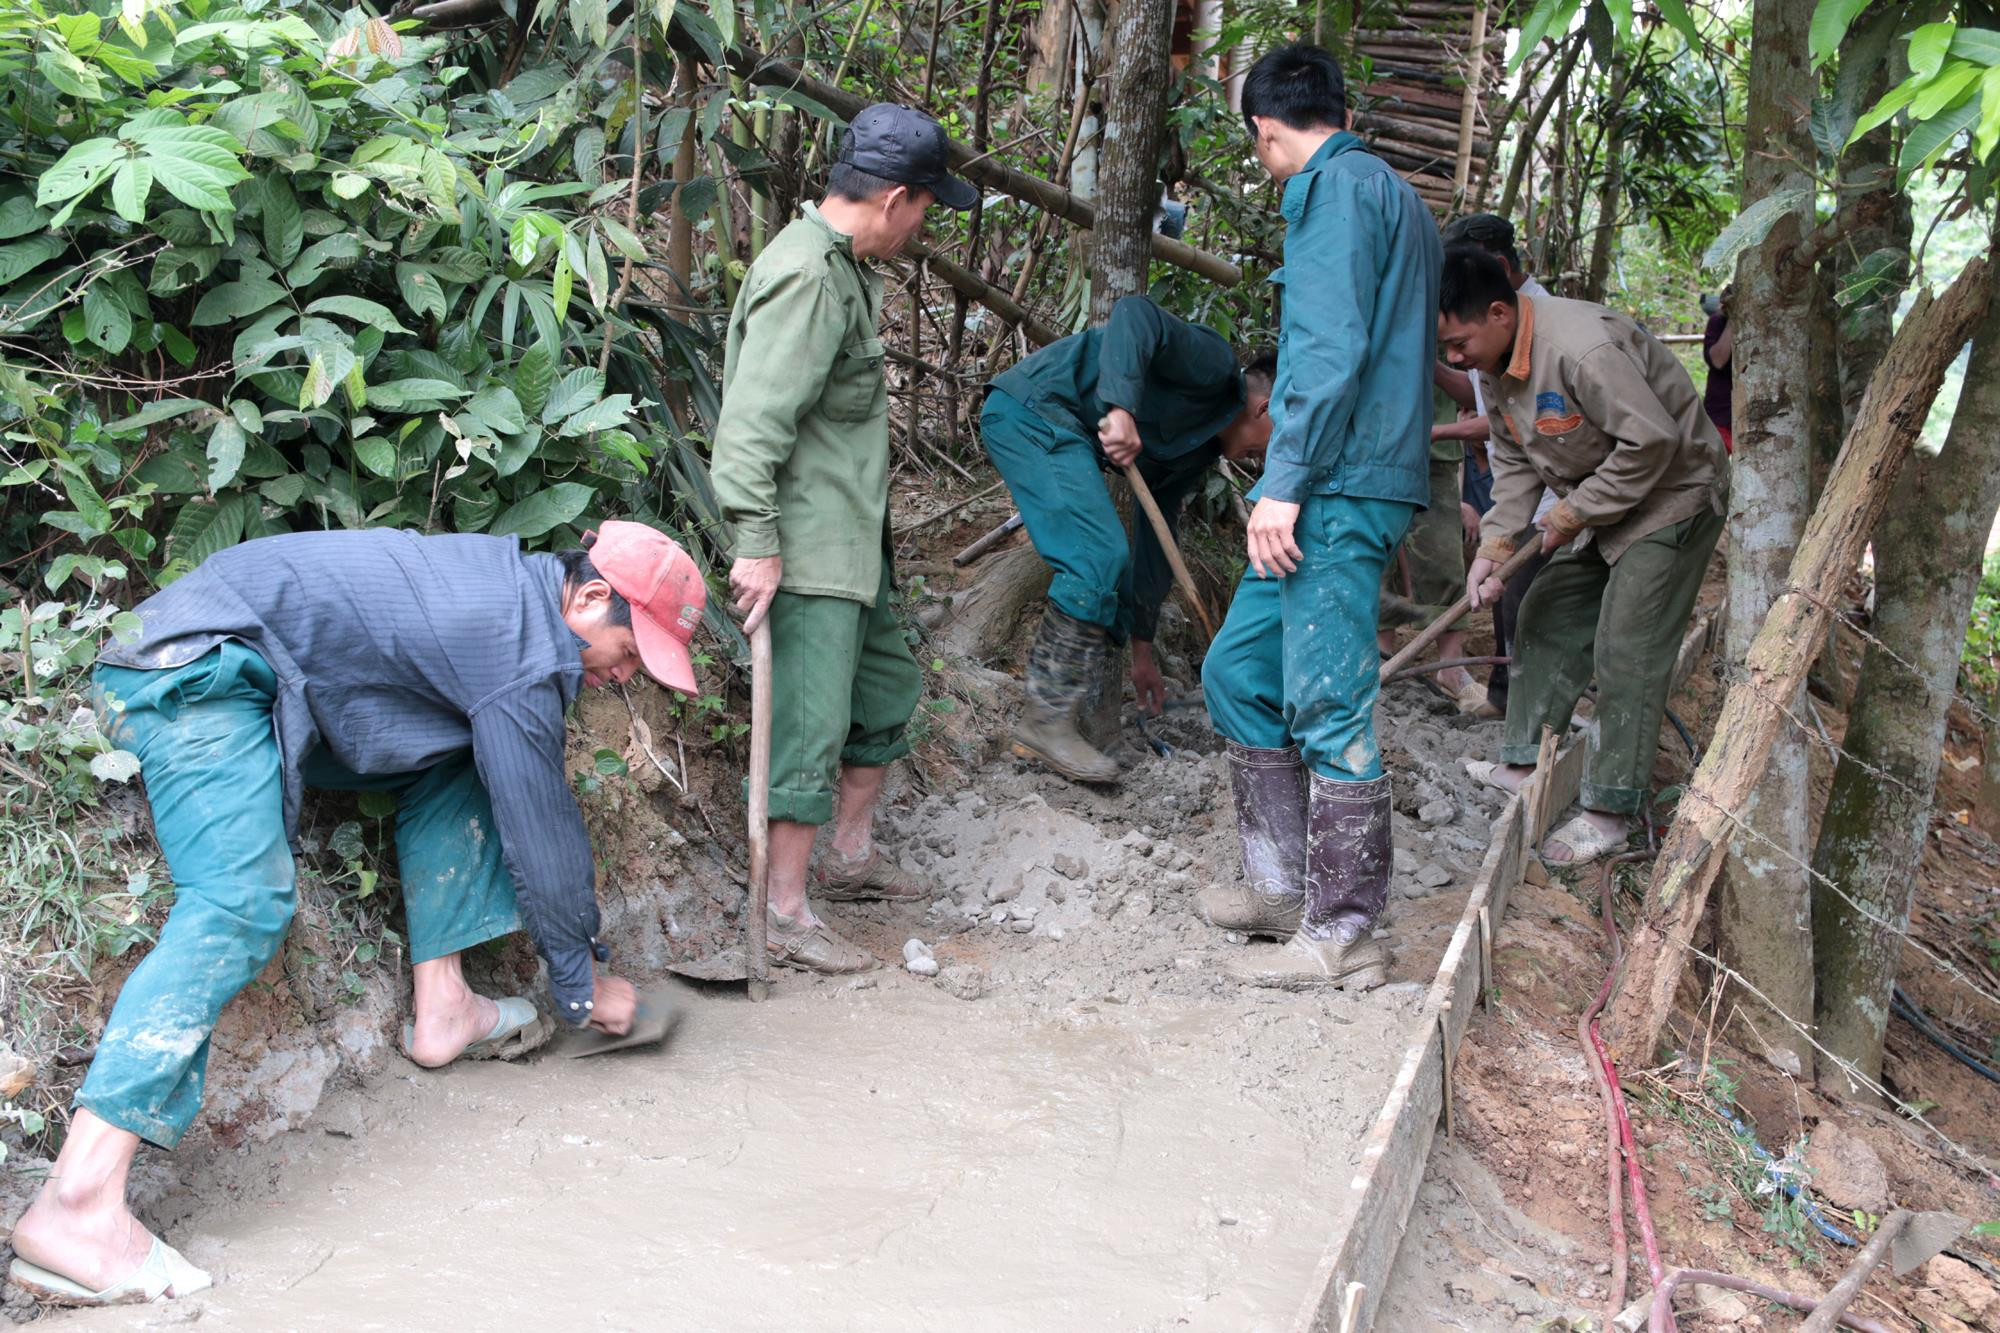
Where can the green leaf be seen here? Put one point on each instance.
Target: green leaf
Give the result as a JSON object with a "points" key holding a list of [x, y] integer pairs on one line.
{"points": [[609, 764], [177, 344], [1892, 101], [335, 252], [283, 491], [421, 292], [114, 766], [377, 454], [26, 256], [77, 171], [414, 395], [456, 263], [130, 185], [545, 509], [167, 409], [235, 300], [534, 377], [572, 394], [372, 314], [20, 217], [523, 242], [1988, 133], [1928, 46], [1944, 90], [1830, 21], [1675, 12], [105, 317], [225, 453], [624, 241], [1751, 226], [69, 75], [498, 408], [561, 283], [1928, 139], [723, 12], [247, 416], [1979, 45], [609, 414], [284, 224], [204, 527], [196, 164]]}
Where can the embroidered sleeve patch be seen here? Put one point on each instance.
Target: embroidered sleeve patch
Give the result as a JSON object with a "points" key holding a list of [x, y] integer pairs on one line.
{"points": [[1553, 415]]}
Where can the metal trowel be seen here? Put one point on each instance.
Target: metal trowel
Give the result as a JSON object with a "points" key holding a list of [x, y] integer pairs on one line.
{"points": [[654, 1018]]}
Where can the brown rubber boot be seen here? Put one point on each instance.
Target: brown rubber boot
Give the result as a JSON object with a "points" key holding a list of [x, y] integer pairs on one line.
{"points": [[1347, 888], [808, 945], [1066, 656], [1270, 791]]}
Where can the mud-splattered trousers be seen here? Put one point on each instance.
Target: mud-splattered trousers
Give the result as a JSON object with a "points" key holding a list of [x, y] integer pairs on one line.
{"points": [[213, 774], [1295, 663], [1623, 622]]}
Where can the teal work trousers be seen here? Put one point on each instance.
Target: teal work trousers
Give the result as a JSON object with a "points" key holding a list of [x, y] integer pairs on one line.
{"points": [[1296, 662], [213, 774]]}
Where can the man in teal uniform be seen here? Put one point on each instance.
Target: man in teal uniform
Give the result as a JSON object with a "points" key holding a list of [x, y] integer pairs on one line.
{"points": [[1290, 680], [1146, 386]]}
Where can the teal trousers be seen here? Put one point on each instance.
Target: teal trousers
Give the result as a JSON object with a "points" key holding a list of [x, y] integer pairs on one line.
{"points": [[212, 768], [1295, 662]]}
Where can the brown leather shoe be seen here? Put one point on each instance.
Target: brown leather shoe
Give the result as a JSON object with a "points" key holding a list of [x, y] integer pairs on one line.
{"points": [[837, 880], [1303, 963], [814, 947]]}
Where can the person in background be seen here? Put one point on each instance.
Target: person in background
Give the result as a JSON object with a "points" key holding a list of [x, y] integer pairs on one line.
{"points": [[1495, 235], [1718, 351]]}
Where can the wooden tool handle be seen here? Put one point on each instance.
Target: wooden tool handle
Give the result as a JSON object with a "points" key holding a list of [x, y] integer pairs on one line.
{"points": [[1144, 495], [760, 806], [1456, 609]]}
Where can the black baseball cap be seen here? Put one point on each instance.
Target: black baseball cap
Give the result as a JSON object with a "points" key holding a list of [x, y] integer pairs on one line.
{"points": [[1488, 231], [901, 144]]}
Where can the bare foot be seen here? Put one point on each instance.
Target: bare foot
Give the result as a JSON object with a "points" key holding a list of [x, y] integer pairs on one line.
{"points": [[442, 1032], [86, 1235], [1509, 777], [1457, 680]]}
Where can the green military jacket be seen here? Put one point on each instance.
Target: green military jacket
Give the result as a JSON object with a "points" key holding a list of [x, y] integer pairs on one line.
{"points": [[1178, 380], [802, 447], [1594, 408]]}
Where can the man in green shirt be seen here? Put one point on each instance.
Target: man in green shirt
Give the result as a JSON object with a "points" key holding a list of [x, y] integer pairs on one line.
{"points": [[802, 471], [1147, 387]]}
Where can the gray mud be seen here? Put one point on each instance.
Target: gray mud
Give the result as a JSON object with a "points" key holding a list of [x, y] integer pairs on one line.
{"points": [[1107, 1136]]}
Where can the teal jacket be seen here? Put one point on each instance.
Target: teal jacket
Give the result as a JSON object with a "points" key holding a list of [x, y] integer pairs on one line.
{"points": [[1179, 380], [1351, 410]]}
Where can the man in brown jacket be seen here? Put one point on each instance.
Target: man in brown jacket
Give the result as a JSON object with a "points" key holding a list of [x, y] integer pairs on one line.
{"points": [[1585, 402]]}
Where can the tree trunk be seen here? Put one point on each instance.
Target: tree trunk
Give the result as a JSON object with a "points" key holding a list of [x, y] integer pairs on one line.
{"points": [[1986, 806], [1610, 196], [1928, 553], [1137, 68], [1764, 922], [1892, 413], [1875, 216], [1531, 128]]}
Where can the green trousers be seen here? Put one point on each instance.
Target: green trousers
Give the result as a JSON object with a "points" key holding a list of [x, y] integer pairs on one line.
{"points": [[1435, 545], [214, 779], [1624, 624], [843, 687]]}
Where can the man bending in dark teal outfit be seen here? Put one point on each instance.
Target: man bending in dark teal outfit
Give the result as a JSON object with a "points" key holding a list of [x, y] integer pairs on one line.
{"points": [[1146, 386], [1290, 680]]}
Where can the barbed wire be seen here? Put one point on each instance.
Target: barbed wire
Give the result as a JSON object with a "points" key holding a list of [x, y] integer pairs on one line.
{"points": [[1841, 620]]}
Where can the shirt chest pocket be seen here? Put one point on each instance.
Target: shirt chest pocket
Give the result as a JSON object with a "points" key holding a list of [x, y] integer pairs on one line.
{"points": [[855, 389]]}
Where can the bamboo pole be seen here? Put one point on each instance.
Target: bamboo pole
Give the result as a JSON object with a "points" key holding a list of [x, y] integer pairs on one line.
{"points": [[1476, 75]]}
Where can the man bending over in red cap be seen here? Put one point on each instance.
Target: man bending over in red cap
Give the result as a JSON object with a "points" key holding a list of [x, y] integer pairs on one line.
{"points": [[434, 668]]}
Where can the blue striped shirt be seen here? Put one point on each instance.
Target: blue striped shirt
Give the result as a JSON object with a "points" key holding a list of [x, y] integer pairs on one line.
{"points": [[395, 650]]}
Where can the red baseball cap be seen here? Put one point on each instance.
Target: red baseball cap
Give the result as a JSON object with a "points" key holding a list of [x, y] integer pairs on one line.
{"points": [[648, 569]]}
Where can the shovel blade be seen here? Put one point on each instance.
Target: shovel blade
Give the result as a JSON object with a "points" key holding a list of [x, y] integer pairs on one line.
{"points": [[1923, 1238], [732, 964], [657, 1013]]}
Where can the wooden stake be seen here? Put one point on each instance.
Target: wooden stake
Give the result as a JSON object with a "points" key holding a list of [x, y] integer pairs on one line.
{"points": [[1144, 495], [760, 807]]}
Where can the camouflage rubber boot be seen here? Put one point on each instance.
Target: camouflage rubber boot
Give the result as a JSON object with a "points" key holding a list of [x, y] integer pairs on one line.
{"points": [[1270, 791], [1065, 659], [1347, 888]]}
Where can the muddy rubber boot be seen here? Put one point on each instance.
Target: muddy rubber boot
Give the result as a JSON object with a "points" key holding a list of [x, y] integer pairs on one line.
{"points": [[1066, 657], [1347, 888], [1270, 791]]}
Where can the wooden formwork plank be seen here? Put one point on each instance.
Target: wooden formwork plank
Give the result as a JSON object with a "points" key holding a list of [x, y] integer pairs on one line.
{"points": [[1347, 1286]]}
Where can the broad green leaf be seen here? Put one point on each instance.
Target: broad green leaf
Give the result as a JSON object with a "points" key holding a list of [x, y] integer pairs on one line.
{"points": [[724, 14], [129, 66], [587, 152], [421, 291], [130, 185], [1892, 101], [283, 491], [106, 319], [456, 263], [69, 75], [234, 300], [498, 408], [624, 241], [1751, 226], [167, 409], [114, 766], [348, 185], [534, 377], [80, 32], [20, 217], [335, 252], [523, 242], [76, 171], [573, 393], [1979, 45], [178, 346], [1830, 21], [1928, 45], [84, 497], [26, 256], [284, 224], [204, 527], [1988, 133], [545, 509], [597, 272], [377, 454], [372, 314], [609, 414], [560, 284], [225, 453], [414, 395]]}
